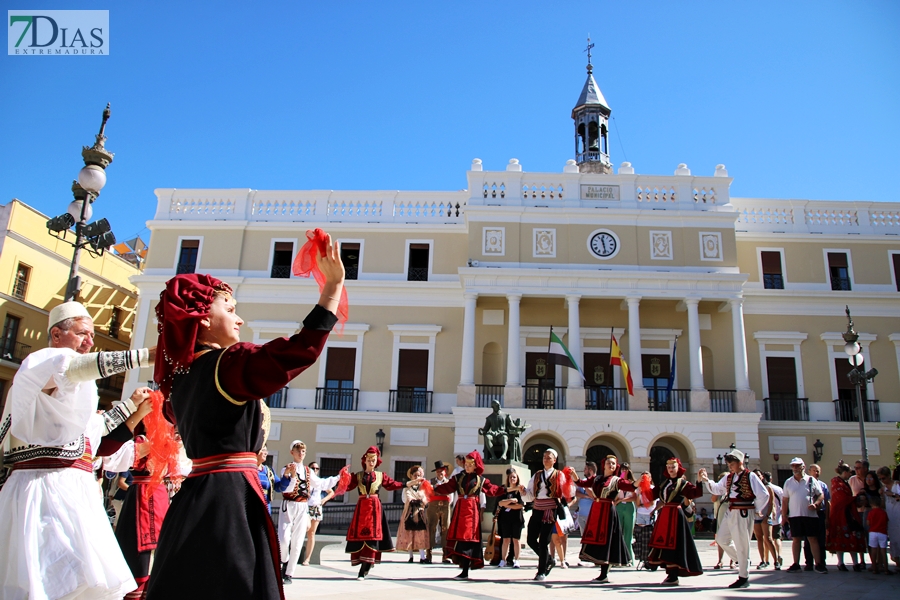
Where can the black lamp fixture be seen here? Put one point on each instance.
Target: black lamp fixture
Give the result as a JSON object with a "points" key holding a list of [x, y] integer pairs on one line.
{"points": [[859, 377], [817, 450], [379, 440], [719, 459]]}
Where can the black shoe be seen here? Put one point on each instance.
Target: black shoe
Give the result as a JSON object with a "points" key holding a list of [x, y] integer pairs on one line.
{"points": [[540, 577], [550, 566], [842, 568], [671, 580], [741, 582], [857, 568], [822, 569], [808, 568], [286, 580], [601, 579], [794, 568], [446, 561], [425, 561], [462, 575], [410, 559]]}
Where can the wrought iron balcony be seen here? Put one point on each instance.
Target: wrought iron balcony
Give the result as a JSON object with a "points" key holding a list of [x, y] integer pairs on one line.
{"points": [[281, 271], [337, 398], [278, 399], [14, 351], [605, 398], [840, 284], [538, 396], [722, 400], [787, 409], [410, 400], [485, 394], [846, 410], [773, 281], [417, 274], [669, 401], [185, 267]]}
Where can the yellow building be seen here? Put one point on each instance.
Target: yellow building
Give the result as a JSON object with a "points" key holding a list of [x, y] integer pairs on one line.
{"points": [[34, 271], [453, 295]]}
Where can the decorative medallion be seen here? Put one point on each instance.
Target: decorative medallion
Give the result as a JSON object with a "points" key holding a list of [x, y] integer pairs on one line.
{"points": [[710, 245], [544, 243], [661, 245], [494, 241]]}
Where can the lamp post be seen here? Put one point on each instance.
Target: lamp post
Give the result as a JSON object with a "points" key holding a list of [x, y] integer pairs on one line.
{"points": [[379, 440], [858, 377], [96, 236], [817, 450]]}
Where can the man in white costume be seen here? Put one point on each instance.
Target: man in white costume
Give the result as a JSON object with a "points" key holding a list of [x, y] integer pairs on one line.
{"points": [[55, 535], [747, 497], [296, 485]]}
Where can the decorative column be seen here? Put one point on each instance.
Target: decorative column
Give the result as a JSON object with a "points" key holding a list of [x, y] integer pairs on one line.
{"points": [[467, 368], [634, 342], [692, 305], [741, 380], [574, 341], [513, 396]]}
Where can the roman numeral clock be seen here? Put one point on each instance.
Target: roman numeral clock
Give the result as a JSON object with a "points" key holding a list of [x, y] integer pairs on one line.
{"points": [[603, 244]]}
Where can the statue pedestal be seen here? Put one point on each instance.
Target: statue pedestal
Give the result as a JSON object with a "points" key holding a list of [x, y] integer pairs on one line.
{"points": [[496, 473]]}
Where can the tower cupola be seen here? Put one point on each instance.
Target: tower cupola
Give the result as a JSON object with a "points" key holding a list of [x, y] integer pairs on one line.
{"points": [[591, 116]]}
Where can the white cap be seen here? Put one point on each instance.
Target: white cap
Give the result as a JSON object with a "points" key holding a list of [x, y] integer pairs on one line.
{"points": [[66, 310], [296, 443], [553, 452], [797, 461]]}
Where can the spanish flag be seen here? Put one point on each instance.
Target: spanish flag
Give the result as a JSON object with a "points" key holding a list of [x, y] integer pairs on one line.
{"points": [[615, 358]]}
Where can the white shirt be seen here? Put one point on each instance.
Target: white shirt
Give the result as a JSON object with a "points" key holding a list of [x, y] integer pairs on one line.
{"points": [[529, 496], [778, 494], [719, 488], [315, 485], [800, 494]]}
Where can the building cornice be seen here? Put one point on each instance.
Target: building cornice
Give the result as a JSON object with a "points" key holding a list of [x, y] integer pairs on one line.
{"points": [[393, 419]]}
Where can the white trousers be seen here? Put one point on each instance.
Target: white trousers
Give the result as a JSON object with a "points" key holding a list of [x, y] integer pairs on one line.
{"points": [[294, 525], [733, 536]]}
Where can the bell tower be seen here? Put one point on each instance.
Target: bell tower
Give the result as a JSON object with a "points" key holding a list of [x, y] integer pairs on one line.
{"points": [[591, 116]]}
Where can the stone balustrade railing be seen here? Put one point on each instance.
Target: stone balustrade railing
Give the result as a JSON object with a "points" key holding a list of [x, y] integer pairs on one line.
{"points": [[809, 216]]}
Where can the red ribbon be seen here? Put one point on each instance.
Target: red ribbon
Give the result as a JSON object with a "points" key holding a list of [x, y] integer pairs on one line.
{"points": [[307, 262], [163, 456]]}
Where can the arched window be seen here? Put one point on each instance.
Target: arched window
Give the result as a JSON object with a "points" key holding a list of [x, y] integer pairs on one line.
{"points": [[593, 135]]}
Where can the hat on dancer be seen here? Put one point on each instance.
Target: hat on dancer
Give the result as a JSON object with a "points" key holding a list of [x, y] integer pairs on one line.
{"points": [[410, 472], [553, 452], [475, 457], [438, 465], [681, 470], [184, 302], [735, 455], [372, 450], [66, 310]]}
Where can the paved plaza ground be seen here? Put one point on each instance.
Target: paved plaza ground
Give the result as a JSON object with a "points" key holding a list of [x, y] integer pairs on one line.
{"points": [[395, 579]]}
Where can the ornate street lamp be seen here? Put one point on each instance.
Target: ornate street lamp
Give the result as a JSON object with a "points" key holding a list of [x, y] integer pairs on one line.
{"points": [[817, 450], [379, 440], [96, 237], [858, 377]]}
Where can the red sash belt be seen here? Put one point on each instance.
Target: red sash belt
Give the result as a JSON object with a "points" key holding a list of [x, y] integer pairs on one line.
{"points": [[83, 463], [440, 499]]}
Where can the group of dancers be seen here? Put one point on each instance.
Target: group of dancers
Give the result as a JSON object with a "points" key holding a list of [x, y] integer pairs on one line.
{"points": [[217, 538]]}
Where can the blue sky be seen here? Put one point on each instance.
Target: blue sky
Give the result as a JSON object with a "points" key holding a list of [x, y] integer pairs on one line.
{"points": [[798, 99]]}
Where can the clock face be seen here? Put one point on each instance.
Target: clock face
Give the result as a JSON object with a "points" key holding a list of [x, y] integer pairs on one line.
{"points": [[603, 244]]}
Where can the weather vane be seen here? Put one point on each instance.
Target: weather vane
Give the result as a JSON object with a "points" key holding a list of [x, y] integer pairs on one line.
{"points": [[590, 45]]}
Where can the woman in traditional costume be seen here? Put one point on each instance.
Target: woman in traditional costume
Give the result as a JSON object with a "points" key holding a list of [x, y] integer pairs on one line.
{"points": [[219, 541], [143, 511], [602, 542], [672, 545], [845, 530], [463, 544], [368, 535], [412, 534]]}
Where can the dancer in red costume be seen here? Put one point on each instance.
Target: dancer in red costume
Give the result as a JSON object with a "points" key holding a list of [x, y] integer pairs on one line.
{"points": [[845, 531], [368, 535], [672, 545], [463, 544]]}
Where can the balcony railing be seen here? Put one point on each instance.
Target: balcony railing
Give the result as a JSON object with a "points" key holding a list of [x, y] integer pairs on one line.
{"points": [[281, 271], [845, 410], [278, 399], [840, 284], [410, 400], [787, 409], [186, 267], [537, 396], [113, 384], [417, 274], [773, 281], [351, 271], [605, 398], [338, 516], [722, 400], [485, 394], [14, 351], [669, 401], [337, 398], [20, 287]]}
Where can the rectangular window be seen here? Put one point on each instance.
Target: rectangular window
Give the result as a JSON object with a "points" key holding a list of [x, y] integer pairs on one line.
{"points": [[400, 469], [187, 259], [412, 382], [329, 467], [839, 271], [340, 370], [115, 322], [895, 258], [781, 373], [350, 258], [418, 262], [8, 338], [771, 266], [281, 260], [20, 286]]}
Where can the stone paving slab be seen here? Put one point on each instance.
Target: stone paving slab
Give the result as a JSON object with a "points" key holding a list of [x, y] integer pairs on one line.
{"points": [[395, 578]]}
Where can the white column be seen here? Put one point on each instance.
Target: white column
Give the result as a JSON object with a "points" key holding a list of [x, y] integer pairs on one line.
{"points": [[513, 375], [467, 368], [634, 342], [741, 380], [575, 381], [694, 342]]}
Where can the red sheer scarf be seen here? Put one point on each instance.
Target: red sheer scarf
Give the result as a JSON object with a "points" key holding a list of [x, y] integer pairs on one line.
{"points": [[307, 263]]}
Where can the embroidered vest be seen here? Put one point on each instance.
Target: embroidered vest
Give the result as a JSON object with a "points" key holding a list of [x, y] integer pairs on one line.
{"points": [[745, 496], [474, 489], [373, 487], [300, 491], [552, 484]]}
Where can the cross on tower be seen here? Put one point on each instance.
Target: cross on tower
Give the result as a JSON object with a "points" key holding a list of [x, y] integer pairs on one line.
{"points": [[589, 46]]}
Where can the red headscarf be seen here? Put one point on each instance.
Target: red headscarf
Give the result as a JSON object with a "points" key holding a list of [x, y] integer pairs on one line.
{"points": [[184, 302], [307, 262], [372, 450], [681, 469], [475, 455]]}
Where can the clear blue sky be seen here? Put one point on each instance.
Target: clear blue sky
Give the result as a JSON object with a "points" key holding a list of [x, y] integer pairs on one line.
{"points": [[798, 99]]}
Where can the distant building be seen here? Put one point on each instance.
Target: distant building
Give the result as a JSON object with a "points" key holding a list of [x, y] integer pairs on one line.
{"points": [[453, 294], [34, 271]]}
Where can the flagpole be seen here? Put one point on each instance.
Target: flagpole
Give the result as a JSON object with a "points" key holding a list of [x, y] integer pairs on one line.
{"points": [[540, 391], [609, 386]]}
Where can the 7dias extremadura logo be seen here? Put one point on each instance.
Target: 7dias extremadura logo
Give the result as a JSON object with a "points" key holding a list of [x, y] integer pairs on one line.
{"points": [[58, 32]]}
